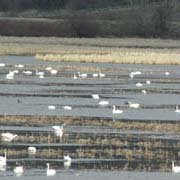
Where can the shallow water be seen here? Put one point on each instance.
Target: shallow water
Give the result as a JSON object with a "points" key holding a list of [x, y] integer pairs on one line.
{"points": [[91, 175], [30, 95], [36, 94]]}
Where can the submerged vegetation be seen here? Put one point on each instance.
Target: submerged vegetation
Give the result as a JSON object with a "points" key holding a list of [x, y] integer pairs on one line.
{"points": [[93, 29], [153, 149]]}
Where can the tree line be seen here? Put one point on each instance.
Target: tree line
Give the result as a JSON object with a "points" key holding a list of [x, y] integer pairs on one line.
{"points": [[21, 5], [142, 19]]}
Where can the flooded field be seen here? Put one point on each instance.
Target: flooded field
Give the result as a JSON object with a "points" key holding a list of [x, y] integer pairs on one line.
{"points": [[141, 132], [34, 94]]}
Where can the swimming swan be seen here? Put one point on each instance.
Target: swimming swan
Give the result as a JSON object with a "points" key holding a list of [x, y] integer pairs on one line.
{"points": [[8, 137], [50, 172], [18, 170], [175, 169]]}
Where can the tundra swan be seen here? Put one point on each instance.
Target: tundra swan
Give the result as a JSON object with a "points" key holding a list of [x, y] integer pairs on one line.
{"points": [[10, 75], [53, 71], [48, 68], [50, 172], [83, 75], [2, 65], [133, 105], [95, 96], [3, 160], [175, 169], [27, 72], [51, 107], [31, 150], [177, 110], [67, 161], [58, 131], [103, 103], [8, 137], [39, 73], [101, 74], [139, 84], [18, 170], [67, 107], [116, 111], [132, 74]]}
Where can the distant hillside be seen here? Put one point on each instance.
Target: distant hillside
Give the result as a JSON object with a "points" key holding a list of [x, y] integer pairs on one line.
{"points": [[90, 18]]}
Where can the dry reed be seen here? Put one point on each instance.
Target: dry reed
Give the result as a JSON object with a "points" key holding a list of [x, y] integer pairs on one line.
{"points": [[114, 50], [123, 55]]}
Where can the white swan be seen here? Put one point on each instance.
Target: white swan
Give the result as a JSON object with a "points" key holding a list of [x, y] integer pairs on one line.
{"points": [[58, 131], [3, 160], [67, 108], [101, 74], [75, 77], [175, 169], [132, 74], [116, 111], [95, 75], [51, 107], [41, 76], [67, 164], [31, 150], [67, 157], [27, 72], [177, 110], [95, 96], [2, 65], [50, 172], [2, 168], [53, 71], [67, 161], [139, 84], [103, 103], [144, 91], [133, 105], [8, 137], [18, 170], [48, 68], [148, 82], [19, 65], [167, 73], [39, 73], [10, 75], [84, 75]]}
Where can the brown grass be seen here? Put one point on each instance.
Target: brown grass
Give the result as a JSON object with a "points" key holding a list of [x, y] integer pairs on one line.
{"points": [[118, 55], [131, 125], [115, 50]]}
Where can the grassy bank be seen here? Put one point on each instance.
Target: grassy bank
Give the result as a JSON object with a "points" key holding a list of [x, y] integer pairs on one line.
{"points": [[114, 50]]}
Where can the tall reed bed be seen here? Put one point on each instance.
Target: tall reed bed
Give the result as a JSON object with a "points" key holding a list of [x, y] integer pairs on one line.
{"points": [[121, 55], [109, 50]]}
